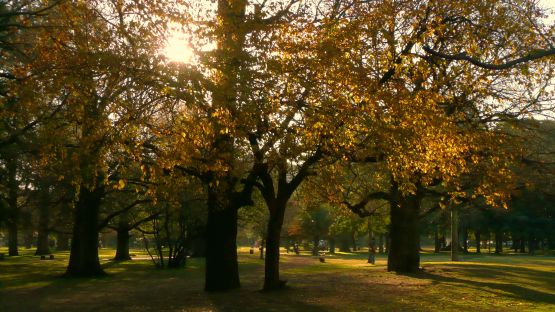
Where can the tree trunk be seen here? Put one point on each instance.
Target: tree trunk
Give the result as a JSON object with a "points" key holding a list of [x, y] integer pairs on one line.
{"points": [[28, 237], [387, 241], [315, 246], [344, 244], [331, 243], [354, 240], [222, 269], [516, 243], [122, 249], [498, 242], [437, 245], [454, 233], [478, 241], [404, 254], [12, 239], [62, 242], [371, 247], [380, 244], [83, 258], [271, 265], [465, 239], [13, 209], [44, 215], [42, 243], [531, 244]]}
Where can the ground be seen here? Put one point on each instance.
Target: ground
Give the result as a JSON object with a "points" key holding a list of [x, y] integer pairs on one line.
{"points": [[344, 283]]}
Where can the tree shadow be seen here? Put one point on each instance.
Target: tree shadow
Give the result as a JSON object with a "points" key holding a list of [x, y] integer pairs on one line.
{"points": [[508, 288]]}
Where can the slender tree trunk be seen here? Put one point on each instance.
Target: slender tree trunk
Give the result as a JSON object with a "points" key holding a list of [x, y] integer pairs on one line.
{"points": [[454, 233], [13, 210], [437, 245], [387, 241], [380, 244], [331, 242], [315, 246], [531, 244], [222, 269], [465, 239], [478, 241], [523, 245], [443, 238], [498, 242], [371, 247], [354, 240], [83, 259], [271, 268], [404, 254]]}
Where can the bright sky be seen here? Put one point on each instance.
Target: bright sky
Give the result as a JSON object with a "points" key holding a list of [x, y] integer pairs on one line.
{"points": [[178, 48]]}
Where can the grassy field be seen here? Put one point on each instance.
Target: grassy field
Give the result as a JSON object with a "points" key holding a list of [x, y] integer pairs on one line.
{"points": [[344, 283]]}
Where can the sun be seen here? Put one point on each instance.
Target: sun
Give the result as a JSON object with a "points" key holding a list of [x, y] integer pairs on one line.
{"points": [[178, 49]]}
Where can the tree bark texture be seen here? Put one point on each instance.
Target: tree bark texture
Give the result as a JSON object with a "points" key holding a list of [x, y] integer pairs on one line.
{"points": [[404, 256]]}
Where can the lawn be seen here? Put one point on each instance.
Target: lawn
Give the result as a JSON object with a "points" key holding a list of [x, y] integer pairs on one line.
{"points": [[344, 283]]}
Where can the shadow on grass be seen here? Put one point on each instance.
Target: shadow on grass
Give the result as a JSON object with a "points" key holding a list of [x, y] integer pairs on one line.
{"points": [[506, 285]]}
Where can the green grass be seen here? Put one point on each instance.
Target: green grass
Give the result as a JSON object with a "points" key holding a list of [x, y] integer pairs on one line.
{"points": [[344, 283]]}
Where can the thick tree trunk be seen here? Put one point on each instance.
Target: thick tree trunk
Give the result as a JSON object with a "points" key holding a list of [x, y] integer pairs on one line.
{"points": [[122, 249], [62, 242], [42, 243], [83, 258], [44, 215], [271, 268], [404, 254], [222, 269], [478, 241], [12, 239], [344, 244]]}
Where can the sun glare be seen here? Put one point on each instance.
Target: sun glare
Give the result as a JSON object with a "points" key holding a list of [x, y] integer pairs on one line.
{"points": [[178, 49]]}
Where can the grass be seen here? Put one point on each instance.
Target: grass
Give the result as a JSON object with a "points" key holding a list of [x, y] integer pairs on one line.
{"points": [[344, 283]]}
